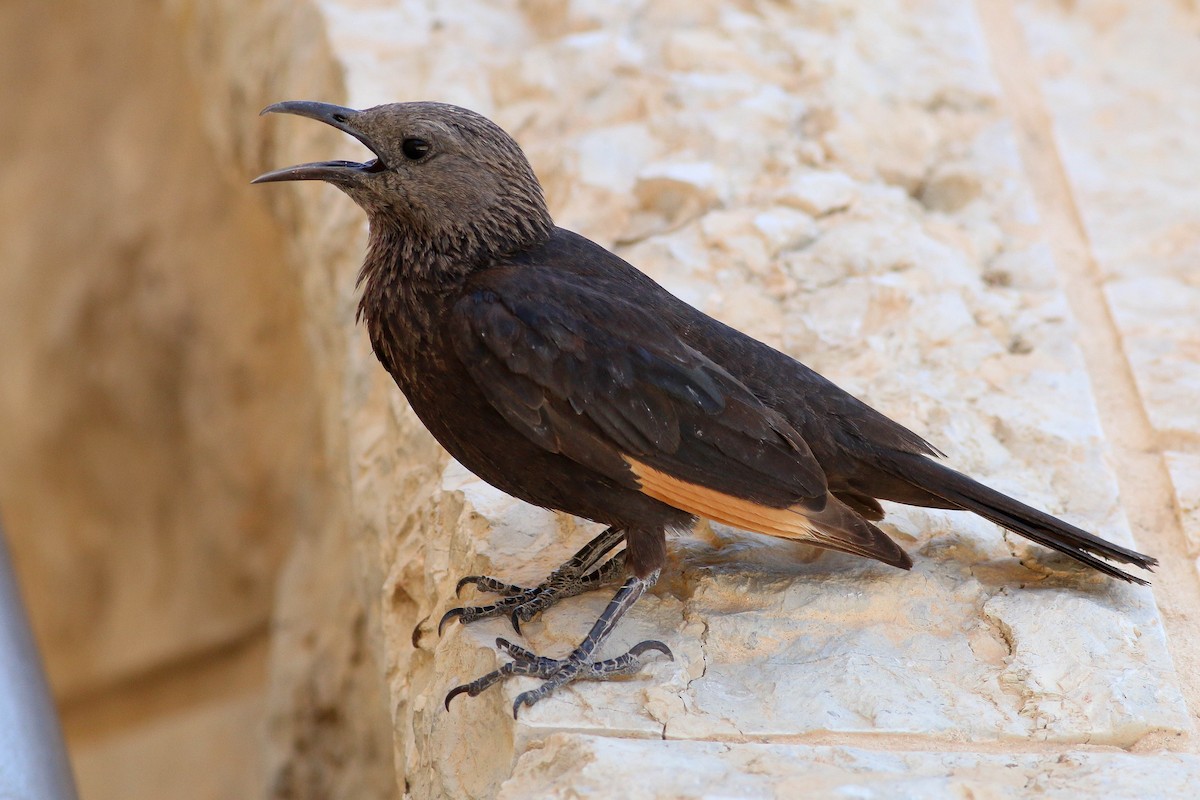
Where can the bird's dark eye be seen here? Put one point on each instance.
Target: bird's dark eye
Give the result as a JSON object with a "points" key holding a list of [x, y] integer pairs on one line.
{"points": [[414, 149]]}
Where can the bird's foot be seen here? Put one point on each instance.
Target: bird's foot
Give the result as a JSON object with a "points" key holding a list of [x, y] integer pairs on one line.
{"points": [[521, 604], [557, 672]]}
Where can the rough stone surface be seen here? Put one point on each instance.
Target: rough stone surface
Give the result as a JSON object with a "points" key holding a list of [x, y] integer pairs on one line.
{"points": [[572, 765], [1185, 477], [770, 647]]}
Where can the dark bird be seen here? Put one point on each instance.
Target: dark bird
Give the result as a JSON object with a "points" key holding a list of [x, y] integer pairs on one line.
{"points": [[565, 377]]}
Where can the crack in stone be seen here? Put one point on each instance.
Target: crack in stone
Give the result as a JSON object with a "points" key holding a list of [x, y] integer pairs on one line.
{"points": [[1012, 680], [689, 584]]}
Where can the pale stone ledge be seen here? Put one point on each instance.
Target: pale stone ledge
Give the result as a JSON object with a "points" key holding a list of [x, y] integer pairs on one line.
{"points": [[841, 184], [605, 767], [1185, 477], [1122, 85], [770, 648]]}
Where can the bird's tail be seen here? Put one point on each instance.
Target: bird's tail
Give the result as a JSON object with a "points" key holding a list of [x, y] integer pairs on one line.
{"points": [[970, 495]]}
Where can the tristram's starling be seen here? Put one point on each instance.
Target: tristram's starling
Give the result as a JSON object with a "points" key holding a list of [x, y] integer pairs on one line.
{"points": [[562, 375]]}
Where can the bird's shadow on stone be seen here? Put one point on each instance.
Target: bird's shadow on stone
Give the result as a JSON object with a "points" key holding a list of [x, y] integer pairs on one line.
{"points": [[713, 548], [1024, 567], [948, 557]]}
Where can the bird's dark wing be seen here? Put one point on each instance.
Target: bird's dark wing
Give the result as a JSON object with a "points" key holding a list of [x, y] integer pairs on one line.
{"points": [[591, 376], [602, 381], [830, 419]]}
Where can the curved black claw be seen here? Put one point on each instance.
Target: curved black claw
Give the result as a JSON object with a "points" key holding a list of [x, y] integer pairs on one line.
{"points": [[418, 632], [524, 699], [524, 662], [455, 692], [651, 644], [469, 614], [453, 613], [458, 587], [485, 583]]}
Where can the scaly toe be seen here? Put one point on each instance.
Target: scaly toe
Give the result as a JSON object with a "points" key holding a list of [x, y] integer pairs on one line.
{"points": [[485, 583], [524, 699], [469, 614], [515, 651]]}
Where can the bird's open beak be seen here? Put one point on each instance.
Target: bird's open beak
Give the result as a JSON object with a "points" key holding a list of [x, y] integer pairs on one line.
{"points": [[335, 171]]}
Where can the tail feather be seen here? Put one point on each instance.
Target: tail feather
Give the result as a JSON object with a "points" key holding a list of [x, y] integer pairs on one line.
{"points": [[840, 527], [1038, 526]]}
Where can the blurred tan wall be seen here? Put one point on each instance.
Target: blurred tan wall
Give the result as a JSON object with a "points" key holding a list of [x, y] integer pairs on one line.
{"points": [[158, 434]]}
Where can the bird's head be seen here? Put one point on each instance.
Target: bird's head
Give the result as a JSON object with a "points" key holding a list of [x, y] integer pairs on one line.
{"points": [[445, 177]]}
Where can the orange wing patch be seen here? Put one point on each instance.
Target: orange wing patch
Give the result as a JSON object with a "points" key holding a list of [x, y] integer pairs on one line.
{"points": [[837, 526], [786, 523]]}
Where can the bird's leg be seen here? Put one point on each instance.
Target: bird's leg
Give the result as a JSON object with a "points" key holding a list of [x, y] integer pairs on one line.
{"points": [[579, 663], [579, 574]]}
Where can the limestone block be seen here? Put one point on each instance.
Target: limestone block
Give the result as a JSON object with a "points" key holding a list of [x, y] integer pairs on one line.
{"points": [[578, 765], [770, 644], [1121, 107], [1150, 311], [1185, 477], [834, 654]]}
